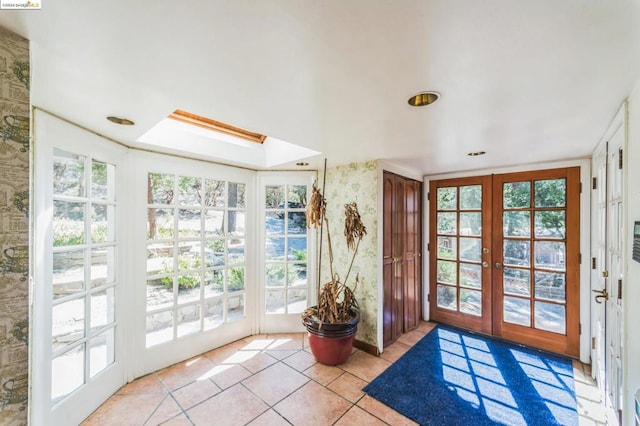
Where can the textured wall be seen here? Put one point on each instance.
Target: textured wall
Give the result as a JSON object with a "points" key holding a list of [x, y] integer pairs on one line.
{"points": [[356, 182], [14, 227]]}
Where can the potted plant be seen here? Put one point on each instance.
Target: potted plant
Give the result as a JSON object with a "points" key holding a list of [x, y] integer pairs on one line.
{"points": [[333, 322]]}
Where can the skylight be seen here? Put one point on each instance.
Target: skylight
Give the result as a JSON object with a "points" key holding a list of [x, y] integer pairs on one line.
{"points": [[187, 133]]}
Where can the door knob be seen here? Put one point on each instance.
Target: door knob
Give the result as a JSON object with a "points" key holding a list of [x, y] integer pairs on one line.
{"points": [[601, 294], [605, 274], [485, 264], [498, 265]]}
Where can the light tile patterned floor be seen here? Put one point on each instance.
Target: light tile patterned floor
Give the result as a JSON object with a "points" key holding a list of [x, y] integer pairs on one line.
{"points": [[274, 380]]}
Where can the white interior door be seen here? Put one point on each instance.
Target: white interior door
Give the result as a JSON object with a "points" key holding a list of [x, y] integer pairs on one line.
{"points": [[599, 263], [286, 261], [77, 327], [615, 245]]}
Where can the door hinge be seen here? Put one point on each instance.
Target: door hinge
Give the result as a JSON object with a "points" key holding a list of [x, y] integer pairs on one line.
{"points": [[579, 328], [428, 246], [593, 343], [620, 156], [428, 196], [593, 263], [429, 297], [594, 183], [619, 289], [580, 258], [581, 187]]}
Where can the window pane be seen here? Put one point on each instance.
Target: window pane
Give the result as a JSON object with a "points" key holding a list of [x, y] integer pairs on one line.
{"points": [[214, 253], [100, 175], [471, 224], [236, 308], [447, 223], [213, 282], [102, 308], [236, 280], [189, 190], [447, 248], [161, 188], [275, 273], [213, 315], [67, 373], [550, 255], [188, 287], [297, 223], [550, 286], [274, 196], [100, 230], [447, 198], [189, 224], [159, 293], [274, 248], [159, 328], [160, 224], [189, 255], [101, 352], [213, 223], [68, 273], [68, 174], [517, 311], [236, 223], [516, 281], [188, 320], [274, 301], [297, 300], [516, 195], [470, 302], [550, 193], [447, 272], [236, 251], [214, 193], [297, 249], [447, 297], [274, 223], [517, 252], [297, 194], [471, 197], [516, 224], [550, 224], [550, 317], [68, 223], [297, 274], [67, 322], [470, 275], [471, 249], [237, 193], [159, 258]]}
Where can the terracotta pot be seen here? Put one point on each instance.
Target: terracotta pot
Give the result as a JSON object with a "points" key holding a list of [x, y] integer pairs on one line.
{"points": [[331, 343]]}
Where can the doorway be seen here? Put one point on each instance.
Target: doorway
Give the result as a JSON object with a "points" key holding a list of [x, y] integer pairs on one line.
{"points": [[505, 258]]}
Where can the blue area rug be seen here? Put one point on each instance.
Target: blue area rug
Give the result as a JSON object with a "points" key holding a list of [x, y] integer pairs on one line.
{"points": [[453, 377]]}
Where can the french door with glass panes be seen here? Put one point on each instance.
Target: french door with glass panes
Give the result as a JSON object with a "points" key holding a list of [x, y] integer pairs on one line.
{"points": [[198, 288], [287, 251], [77, 326], [505, 256]]}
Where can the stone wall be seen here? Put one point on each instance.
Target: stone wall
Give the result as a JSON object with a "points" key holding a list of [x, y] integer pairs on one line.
{"points": [[14, 227]]}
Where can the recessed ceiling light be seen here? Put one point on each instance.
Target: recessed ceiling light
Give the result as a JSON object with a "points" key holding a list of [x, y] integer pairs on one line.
{"points": [[476, 153], [121, 121], [424, 98], [302, 164]]}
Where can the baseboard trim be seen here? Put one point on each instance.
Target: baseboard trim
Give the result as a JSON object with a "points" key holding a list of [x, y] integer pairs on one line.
{"points": [[366, 347]]}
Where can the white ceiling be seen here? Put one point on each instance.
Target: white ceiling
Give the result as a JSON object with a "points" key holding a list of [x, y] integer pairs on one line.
{"points": [[526, 81]]}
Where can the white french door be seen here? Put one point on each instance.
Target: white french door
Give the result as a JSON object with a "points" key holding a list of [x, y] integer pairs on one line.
{"points": [[77, 333], [608, 264], [194, 273], [286, 265]]}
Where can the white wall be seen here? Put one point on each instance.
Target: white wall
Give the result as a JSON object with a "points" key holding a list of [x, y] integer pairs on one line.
{"points": [[631, 283]]}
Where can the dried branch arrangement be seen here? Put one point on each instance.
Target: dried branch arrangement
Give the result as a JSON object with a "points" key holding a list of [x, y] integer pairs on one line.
{"points": [[336, 301]]}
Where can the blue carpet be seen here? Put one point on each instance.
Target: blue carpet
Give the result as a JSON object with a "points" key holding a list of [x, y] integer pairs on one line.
{"points": [[453, 377]]}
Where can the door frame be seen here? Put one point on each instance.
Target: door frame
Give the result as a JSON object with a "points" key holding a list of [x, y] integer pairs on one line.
{"points": [[585, 232]]}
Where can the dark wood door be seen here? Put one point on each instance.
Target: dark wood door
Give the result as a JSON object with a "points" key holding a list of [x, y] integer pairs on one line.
{"points": [[402, 270]]}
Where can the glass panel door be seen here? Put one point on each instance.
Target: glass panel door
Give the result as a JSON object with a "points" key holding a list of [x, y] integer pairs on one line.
{"points": [[535, 268], [287, 251], [460, 250]]}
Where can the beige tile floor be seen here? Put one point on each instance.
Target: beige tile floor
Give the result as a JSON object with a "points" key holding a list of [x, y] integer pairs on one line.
{"points": [[274, 380]]}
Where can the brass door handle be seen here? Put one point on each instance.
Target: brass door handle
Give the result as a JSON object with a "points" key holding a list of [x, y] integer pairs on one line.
{"points": [[601, 294], [498, 265]]}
